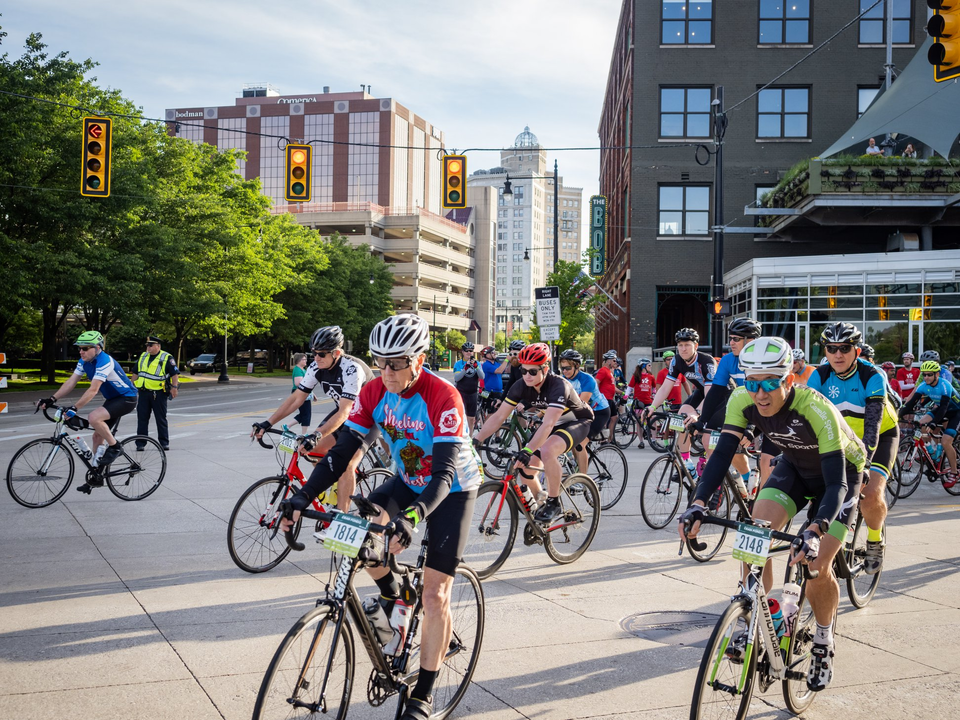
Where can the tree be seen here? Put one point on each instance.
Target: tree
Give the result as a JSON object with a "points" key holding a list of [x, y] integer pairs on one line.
{"points": [[500, 341], [575, 303], [454, 339]]}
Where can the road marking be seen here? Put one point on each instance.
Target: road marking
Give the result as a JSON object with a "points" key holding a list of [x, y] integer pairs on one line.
{"points": [[179, 414], [182, 435], [18, 437], [233, 435]]}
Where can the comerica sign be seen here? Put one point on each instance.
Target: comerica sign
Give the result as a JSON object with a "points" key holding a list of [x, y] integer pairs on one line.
{"points": [[294, 101]]}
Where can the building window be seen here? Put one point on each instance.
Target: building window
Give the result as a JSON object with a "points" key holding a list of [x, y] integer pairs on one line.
{"points": [[873, 23], [517, 270], [517, 257], [501, 259], [684, 209], [865, 96], [517, 280], [783, 113], [685, 112], [501, 280], [517, 246], [686, 22], [784, 22]]}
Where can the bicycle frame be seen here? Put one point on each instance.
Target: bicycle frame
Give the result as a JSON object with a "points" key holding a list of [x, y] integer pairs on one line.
{"points": [[509, 481], [921, 447]]}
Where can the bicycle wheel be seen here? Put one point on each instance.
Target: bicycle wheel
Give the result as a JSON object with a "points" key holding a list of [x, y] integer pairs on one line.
{"points": [[951, 489], [571, 534], [499, 450], [892, 489], [137, 473], [370, 480], [660, 492], [253, 537], [40, 473], [660, 436], [607, 465], [625, 429], [299, 669], [796, 694], [860, 586], [713, 535], [696, 445], [493, 530], [911, 464], [716, 693]]}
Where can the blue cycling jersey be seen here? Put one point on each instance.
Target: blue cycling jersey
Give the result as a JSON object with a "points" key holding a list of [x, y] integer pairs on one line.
{"points": [[583, 382], [108, 371], [492, 380], [728, 371], [937, 392], [850, 395]]}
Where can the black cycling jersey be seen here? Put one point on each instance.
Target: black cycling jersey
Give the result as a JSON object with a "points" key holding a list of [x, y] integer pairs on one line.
{"points": [[554, 392], [699, 372], [340, 382]]}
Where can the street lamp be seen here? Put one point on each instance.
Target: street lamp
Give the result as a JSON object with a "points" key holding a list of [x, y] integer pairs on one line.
{"points": [[508, 193], [526, 251]]}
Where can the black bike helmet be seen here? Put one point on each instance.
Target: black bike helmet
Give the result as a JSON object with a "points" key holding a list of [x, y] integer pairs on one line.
{"points": [[866, 351], [327, 338], [687, 334], [841, 332], [467, 347], [745, 327], [930, 355], [572, 356], [517, 345]]}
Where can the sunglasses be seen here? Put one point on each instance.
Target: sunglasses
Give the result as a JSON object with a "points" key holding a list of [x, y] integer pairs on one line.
{"points": [[930, 374], [736, 338], [567, 368], [768, 385], [321, 353], [845, 349], [85, 348], [524, 371], [395, 364]]}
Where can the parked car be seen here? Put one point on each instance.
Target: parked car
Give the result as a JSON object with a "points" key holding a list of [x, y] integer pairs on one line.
{"points": [[207, 362]]}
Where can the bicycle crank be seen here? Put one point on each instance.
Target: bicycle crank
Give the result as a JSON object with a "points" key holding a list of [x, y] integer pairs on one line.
{"points": [[377, 690], [531, 536]]}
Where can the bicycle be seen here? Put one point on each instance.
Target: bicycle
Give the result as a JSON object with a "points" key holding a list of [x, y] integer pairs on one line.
{"points": [[314, 665], [606, 465], [914, 461], [42, 470], [496, 515], [255, 520], [500, 447], [656, 430]]}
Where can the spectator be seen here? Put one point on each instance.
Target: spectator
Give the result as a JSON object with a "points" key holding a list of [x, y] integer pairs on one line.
{"points": [[872, 148], [909, 151], [908, 375], [305, 413]]}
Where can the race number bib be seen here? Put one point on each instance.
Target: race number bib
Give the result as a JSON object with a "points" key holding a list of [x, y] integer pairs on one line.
{"points": [[346, 534], [289, 443], [676, 423], [751, 544], [714, 439]]}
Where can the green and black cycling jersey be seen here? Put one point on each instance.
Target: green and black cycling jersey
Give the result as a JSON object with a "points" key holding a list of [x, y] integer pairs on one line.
{"points": [[809, 430]]}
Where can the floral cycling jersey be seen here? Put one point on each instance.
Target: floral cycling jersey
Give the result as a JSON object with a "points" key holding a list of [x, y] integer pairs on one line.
{"points": [[342, 381], [430, 412], [556, 392], [108, 371], [584, 382]]}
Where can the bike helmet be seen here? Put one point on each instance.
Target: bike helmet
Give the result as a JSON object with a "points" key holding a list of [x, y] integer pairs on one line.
{"points": [[930, 366], [841, 332], [686, 334], [572, 356], [906, 355], [866, 351], [929, 355], [643, 362], [888, 366], [747, 327], [517, 345], [327, 338], [610, 355], [467, 347], [766, 356], [536, 354], [799, 355], [404, 335], [90, 337], [667, 354], [487, 350]]}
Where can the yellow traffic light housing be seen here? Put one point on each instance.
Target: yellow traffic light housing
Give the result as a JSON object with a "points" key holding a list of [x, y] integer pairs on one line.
{"points": [[97, 149], [944, 28], [299, 173], [454, 181]]}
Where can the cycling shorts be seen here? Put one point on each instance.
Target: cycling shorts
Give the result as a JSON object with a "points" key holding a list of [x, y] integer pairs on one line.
{"points": [[448, 525], [601, 418], [118, 407], [787, 488], [886, 454], [953, 422], [574, 433], [469, 403]]}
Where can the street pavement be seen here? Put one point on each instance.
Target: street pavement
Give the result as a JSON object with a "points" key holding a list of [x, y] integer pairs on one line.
{"points": [[115, 609]]}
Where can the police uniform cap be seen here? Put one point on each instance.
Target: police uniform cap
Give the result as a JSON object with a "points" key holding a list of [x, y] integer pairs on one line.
{"points": [[153, 339]]}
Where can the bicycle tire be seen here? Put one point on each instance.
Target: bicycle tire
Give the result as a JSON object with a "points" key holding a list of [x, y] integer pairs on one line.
{"points": [[660, 492], [892, 487], [860, 586], [578, 521], [607, 465], [912, 468], [493, 530], [25, 483], [141, 477], [253, 540], [796, 694], [710, 703], [624, 430], [660, 437], [712, 535], [370, 480], [953, 489], [696, 445], [499, 450], [308, 649]]}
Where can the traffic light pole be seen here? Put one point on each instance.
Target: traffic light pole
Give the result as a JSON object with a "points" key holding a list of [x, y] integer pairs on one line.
{"points": [[720, 127]]}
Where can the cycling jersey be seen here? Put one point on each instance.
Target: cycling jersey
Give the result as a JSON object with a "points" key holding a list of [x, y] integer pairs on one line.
{"points": [[699, 372], [107, 370], [800, 379], [728, 372], [728, 377], [643, 390], [942, 397], [467, 377], [673, 397], [606, 384], [554, 392], [340, 382], [850, 395], [908, 379], [492, 380], [583, 382], [430, 412]]}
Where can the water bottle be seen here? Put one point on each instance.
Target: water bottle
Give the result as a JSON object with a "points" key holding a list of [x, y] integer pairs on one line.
{"points": [[378, 618], [84, 448], [754, 482], [931, 447], [691, 468], [937, 452], [741, 486], [777, 614], [789, 604], [100, 451], [399, 621], [526, 498]]}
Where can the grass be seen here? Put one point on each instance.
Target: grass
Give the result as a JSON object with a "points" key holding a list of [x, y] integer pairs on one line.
{"points": [[33, 380]]}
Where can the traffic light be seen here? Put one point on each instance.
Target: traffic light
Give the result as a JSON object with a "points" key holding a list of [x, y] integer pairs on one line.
{"points": [[454, 181], [944, 28], [721, 308], [97, 148], [299, 175]]}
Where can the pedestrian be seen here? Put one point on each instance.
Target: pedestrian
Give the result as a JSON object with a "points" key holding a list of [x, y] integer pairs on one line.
{"points": [[305, 413], [872, 148], [157, 378], [909, 151]]}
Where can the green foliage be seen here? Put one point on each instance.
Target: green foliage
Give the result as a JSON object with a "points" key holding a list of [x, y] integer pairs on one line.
{"points": [[500, 341], [454, 339]]}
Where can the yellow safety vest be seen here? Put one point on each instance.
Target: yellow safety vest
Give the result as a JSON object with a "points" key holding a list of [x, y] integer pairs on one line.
{"points": [[150, 371]]}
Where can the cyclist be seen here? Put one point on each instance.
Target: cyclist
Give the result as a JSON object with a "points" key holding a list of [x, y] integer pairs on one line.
{"points": [[513, 350], [607, 382], [641, 389], [907, 375], [891, 370], [588, 390], [866, 353], [340, 377], [801, 370], [493, 376], [467, 375], [698, 368], [859, 391], [945, 407], [566, 421], [423, 418], [822, 462]]}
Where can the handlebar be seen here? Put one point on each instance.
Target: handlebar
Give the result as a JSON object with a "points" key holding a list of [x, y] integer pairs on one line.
{"points": [[272, 431], [78, 423]]}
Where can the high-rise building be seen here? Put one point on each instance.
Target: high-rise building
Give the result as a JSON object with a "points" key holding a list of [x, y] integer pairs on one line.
{"points": [[376, 180]]}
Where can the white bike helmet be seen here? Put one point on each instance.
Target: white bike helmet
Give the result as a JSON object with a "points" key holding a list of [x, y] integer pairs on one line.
{"points": [[766, 356], [799, 355], [404, 335]]}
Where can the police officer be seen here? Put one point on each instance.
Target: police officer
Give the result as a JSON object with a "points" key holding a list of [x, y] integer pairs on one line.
{"points": [[155, 370]]}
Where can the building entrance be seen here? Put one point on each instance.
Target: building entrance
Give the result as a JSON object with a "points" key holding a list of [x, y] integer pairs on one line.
{"points": [[680, 307]]}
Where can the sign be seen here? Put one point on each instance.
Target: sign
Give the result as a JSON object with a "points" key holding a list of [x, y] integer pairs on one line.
{"points": [[721, 308], [3, 383], [549, 333], [3, 358], [3, 407], [598, 235], [346, 535], [751, 544], [547, 305]]}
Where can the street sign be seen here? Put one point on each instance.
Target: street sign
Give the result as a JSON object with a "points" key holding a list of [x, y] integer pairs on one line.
{"points": [[3, 358], [598, 235], [549, 333], [548, 305], [3, 383], [3, 407]]}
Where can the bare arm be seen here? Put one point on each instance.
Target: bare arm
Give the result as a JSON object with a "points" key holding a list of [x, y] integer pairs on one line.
{"points": [[337, 419], [90, 393]]}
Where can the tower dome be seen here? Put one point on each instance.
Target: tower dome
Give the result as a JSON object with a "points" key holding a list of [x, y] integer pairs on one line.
{"points": [[526, 139]]}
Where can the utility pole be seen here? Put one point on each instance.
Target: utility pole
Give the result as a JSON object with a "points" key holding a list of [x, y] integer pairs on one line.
{"points": [[719, 127]]}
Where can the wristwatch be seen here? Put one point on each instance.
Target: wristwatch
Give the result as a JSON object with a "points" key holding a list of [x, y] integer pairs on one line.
{"points": [[822, 523]]}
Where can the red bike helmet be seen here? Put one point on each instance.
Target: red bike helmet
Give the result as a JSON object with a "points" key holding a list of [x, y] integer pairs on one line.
{"points": [[536, 354]]}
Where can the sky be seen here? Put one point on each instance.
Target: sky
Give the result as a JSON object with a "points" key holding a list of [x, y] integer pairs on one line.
{"points": [[479, 71]]}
